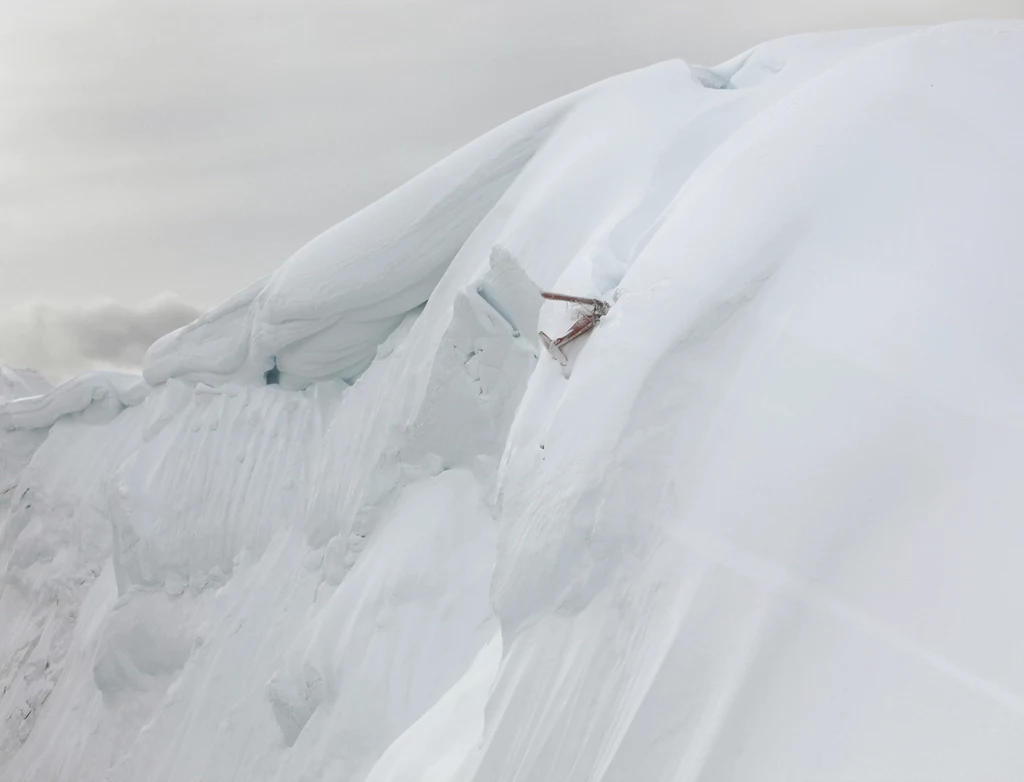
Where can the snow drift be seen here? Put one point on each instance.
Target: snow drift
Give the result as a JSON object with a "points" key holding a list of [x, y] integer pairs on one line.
{"points": [[765, 528]]}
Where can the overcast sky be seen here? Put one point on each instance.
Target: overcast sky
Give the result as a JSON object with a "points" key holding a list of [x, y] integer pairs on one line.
{"points": [[156, 156]]}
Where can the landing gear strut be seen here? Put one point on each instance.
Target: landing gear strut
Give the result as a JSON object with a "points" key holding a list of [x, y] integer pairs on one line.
{"points": [[590, 313]]}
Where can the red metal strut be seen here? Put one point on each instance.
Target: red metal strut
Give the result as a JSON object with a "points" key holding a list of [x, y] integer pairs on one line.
{"points": [[593, 311]]}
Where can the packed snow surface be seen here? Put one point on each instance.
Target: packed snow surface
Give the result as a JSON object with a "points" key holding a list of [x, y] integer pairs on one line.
{"points": [[355, 526]]}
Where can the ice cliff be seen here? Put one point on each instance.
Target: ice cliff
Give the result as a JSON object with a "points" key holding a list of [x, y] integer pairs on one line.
{"points": [[766, 528]]}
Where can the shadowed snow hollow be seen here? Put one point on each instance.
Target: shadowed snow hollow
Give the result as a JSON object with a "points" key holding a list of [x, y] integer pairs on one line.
{"points": [[764, 526]]}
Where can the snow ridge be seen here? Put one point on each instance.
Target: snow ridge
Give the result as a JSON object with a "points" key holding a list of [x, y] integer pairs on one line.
{"points": [[767, 519]]}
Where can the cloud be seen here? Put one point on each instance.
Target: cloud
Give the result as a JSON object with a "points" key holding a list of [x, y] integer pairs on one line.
{"points": [[61, 340]]}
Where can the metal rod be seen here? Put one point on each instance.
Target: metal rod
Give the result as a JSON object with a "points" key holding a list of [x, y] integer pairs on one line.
{"points": [[551, 296]]}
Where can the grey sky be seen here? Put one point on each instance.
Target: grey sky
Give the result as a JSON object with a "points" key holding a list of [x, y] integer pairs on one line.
{"points": [[188, 147]]}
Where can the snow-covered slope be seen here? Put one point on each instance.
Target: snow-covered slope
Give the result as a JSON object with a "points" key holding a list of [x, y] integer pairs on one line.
{"points": [[17, 446], [20, 383], [765, 528]]}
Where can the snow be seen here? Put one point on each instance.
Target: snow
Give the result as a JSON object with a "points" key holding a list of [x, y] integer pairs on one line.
{"points": [[17, 446], [18, 383], [763, 528], [323, 314], [83, 395]]}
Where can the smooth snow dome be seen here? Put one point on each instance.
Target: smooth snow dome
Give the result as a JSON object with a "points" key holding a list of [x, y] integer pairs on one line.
{"points": [[764, 526]]}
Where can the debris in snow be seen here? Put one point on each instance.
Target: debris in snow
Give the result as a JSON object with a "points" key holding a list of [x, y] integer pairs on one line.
{"points": [[592, 312]]}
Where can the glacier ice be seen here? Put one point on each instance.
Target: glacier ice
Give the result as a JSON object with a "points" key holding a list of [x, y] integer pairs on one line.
{"points": [[766, 528]]}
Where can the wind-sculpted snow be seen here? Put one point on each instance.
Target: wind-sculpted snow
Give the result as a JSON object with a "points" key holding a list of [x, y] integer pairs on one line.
{"points": [[764, 525], [17, 446], [323, 314], [30, 405], [18, 383], [86, 394], [597, 155], [798, 497]]}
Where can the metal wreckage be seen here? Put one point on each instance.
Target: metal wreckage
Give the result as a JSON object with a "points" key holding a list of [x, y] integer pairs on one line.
{"points": [[589, 314]]}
